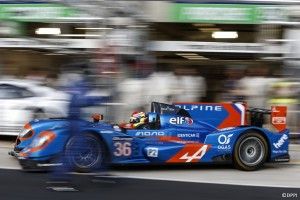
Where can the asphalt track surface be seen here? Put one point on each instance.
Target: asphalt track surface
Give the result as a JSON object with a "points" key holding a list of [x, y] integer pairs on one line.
{"points": [[18, 185]]}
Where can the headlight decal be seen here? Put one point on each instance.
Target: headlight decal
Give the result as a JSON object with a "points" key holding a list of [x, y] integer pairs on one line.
{"points": [[26, 133], [42, 141]]}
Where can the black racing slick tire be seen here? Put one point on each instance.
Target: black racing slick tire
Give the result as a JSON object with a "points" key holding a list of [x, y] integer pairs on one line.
{"points": [[250, 151], [85, 153]]}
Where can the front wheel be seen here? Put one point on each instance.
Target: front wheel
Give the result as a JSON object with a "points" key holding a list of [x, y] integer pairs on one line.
{"points": [[85, 153], [250, 151]]}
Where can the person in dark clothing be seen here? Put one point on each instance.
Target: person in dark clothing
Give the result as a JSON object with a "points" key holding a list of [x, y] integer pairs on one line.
{"points": [[60, 179]]}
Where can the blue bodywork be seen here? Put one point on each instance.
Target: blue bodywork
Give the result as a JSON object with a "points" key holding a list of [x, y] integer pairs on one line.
{"points": [[174, 137]]}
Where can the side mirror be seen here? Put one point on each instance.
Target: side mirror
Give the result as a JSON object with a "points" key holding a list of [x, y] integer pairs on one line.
{"points": [[97, 118]]}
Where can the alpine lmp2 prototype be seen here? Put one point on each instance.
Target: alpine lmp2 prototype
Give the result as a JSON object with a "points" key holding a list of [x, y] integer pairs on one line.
{"points": [[178, 133]]}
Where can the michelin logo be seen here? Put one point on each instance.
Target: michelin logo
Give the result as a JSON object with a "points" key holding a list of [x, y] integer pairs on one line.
{"points": [[281, 141]]}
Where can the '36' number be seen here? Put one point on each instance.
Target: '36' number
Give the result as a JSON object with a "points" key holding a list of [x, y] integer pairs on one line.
{"points": [[122, 149]]}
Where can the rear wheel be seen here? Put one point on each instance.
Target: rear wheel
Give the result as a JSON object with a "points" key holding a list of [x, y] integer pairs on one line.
{"points": [[85, 153], [250, 152]]}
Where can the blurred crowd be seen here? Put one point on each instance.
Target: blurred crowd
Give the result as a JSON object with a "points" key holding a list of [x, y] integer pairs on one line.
{"points": [[129, 91]]}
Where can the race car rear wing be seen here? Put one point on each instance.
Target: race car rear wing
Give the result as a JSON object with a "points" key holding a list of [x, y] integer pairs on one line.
{"points": [[277, 117]]}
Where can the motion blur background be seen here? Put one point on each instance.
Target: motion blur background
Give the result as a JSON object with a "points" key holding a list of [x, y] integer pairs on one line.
{"points": [[143, 51]]}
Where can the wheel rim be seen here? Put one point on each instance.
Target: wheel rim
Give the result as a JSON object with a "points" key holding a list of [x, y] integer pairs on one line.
{"points": [[86, 152], [251, 151]]}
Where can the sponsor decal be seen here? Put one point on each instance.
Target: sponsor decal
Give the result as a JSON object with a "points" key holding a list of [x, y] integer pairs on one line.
{"points": [[189, 121], [122, 138], [184, 135], [181, 120], [196, 156], [190, 153], [278, 117], [106, 131], [279, 151], [149, 133], [279, 120], [201, 107], [167, 109], [152, 152], [274, 110], [49, 164], [281, 141], [224, 141], [226, 129]]}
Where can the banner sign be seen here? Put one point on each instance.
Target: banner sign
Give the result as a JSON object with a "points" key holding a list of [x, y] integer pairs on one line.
{"points": [[228, 13], [215, 47], [50, 43], [35, 12]]}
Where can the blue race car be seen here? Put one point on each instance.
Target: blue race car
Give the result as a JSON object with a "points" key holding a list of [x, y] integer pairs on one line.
{"points": [[178, 133]]}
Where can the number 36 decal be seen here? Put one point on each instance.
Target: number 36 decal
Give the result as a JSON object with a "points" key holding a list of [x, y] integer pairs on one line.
{"points": [[122, 149]]}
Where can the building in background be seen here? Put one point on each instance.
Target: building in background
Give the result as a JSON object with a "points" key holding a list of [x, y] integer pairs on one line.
{"points": [[38, 37], [215, 38], [142, 51]]}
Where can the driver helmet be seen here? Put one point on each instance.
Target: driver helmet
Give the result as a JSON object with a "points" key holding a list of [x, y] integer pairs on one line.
{"points": [[137, 119]]}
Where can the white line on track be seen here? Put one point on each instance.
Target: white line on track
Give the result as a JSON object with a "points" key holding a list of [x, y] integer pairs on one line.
{"points": [[10, 167], [210, 182]]}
